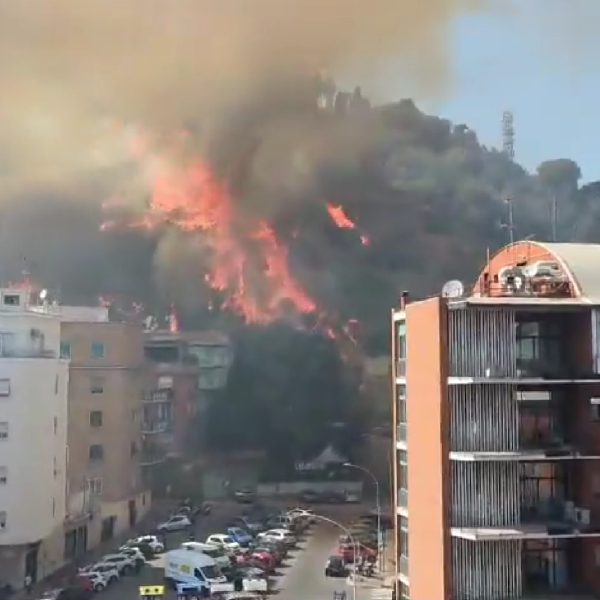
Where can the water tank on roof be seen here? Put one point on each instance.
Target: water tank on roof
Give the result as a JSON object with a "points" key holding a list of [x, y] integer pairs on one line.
{"points": [[545, 268]]}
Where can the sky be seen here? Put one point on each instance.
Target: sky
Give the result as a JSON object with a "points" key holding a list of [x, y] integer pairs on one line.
{"points": [[536, 61]]}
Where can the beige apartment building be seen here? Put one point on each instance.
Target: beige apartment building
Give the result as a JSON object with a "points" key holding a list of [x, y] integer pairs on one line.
{"points": [[106, 387]]}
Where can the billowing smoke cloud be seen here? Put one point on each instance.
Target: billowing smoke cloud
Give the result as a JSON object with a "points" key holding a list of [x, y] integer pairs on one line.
{"points": [[73, 72]]}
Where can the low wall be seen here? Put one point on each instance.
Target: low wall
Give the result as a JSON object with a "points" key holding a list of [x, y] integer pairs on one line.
{"points": [[296, 487]]}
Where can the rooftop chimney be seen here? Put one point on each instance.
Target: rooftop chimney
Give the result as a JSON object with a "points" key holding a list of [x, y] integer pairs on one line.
{"points": [[403, 300]]}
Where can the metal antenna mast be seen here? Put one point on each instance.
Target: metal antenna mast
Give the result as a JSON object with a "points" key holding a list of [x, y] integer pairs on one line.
{"points": [[508, 135]]}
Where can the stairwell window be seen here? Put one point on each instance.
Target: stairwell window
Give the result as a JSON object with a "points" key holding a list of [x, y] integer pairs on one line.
{"points": [[65, 350], [4, 388], [96, 452], [3, 475], [3, 430], [3, 519], [96, 418], [97, 385], [98, 350]]}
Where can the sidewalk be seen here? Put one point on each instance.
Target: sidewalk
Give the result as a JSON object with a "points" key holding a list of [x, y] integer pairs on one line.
{"points": [[159, 511]]}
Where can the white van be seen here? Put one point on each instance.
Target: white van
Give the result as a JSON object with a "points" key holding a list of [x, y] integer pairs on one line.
{"points": [[217, 554], [195, 570]]}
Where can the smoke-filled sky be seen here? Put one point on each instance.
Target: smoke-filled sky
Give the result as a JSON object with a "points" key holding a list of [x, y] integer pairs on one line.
{"points": [[66, 64]]}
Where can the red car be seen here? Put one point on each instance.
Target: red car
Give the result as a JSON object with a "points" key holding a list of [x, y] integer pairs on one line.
{"points": [[264, 559], [346, 552]]}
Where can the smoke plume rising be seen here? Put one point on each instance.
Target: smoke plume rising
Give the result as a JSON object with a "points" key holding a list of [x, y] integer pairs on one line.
{"points": [[237, 74]]}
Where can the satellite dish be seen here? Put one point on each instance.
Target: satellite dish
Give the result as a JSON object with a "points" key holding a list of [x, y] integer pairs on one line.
{"points": [[43, 294], [453, 289]]}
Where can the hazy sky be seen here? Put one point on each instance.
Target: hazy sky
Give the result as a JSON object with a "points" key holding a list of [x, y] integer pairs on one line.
{"points": [[536, 61]]}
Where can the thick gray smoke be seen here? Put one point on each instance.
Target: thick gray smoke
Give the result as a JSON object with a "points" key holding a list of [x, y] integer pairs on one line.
{"points": [[73, 74]]}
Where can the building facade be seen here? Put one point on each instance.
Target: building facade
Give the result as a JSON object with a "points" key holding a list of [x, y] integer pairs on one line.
{"points": [[107, 387], [497, 431], [34, 383], [186, 370]]}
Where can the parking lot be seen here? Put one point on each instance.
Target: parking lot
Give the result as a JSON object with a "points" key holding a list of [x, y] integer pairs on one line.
{"points": [[301, 575]]}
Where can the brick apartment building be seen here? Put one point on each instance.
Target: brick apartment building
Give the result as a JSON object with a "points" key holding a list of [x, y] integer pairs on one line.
{"points": [[496, 409], [185, 370]]}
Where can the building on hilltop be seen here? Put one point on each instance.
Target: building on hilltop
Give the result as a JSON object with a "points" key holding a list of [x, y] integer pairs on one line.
{"points": [[33, 439], [496, 407]]}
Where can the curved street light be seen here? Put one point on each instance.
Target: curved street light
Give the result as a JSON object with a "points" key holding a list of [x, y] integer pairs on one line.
{"points": [[378, 504], [354, 545]]}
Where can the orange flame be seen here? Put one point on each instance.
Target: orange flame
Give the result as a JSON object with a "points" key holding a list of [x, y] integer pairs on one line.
{"points": [[251, 269], [173, 322], [343, 221]]}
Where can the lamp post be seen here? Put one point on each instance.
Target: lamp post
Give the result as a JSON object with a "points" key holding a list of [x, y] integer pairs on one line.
{"points": [[378, 503], [354, 546]]}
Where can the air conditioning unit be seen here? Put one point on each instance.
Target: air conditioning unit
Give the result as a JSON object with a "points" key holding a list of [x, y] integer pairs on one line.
{"points": [[583, 516]]}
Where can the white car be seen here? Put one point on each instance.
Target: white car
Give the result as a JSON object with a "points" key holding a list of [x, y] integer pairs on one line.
{"points": [[108, 571], [155, 544], [97, 580], [278, 535], [301, 513], [123, 562], [222, 540], [135, 554], [175, 523]]}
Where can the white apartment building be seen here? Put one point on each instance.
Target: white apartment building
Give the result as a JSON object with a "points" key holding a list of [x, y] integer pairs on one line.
{"points": [[33, 439]]}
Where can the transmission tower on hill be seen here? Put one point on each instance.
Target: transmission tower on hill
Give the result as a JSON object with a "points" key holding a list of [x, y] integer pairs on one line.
{"points": [[508, 135]]}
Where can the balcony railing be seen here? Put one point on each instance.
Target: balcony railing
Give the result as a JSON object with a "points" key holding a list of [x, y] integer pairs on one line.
{"points": [[401, 432], [401, 367], [27, 352], [158, 396], [560, 516], [154, 428]]}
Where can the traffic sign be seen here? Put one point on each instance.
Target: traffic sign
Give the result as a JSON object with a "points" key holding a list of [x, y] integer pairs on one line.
{"points": [[152, 591]]}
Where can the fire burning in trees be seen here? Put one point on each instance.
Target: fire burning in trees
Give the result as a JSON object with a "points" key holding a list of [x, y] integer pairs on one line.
{"points": [[343, 221], [245, 259]]}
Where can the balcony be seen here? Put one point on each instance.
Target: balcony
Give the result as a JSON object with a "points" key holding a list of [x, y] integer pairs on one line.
{"points": [[401, 367], [403, 566], [27, 352], [153, 428], [401, 433], [158, 396], [403, 499]]}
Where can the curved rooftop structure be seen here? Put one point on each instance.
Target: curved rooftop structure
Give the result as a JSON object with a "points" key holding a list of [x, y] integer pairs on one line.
{"points": [[577, 264]]}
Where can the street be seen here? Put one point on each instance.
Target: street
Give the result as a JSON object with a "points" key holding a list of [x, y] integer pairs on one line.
{"points": [[301, 577]]}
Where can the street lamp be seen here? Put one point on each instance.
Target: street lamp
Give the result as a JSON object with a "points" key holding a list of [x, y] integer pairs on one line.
{"points": [[354, 545], [378, 502]]}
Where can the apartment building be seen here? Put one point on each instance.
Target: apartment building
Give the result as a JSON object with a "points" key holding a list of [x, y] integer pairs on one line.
{"points": [[496, 407], [186, 370], [107, 386], [33, 439]]}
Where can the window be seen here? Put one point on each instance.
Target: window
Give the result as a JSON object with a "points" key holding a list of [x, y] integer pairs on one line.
{"points": [[96, 418], [4, 387], [3, 519], [56, 385], [53, 507], [97, 452], [401, 349], [55, 468], [94, 486], [98, 350], [3, 475], [3, 430], [12, 299], [597, 556], [97, 385], [7, 343], [134, 449], [55, 425], [402, 470], [65, 350]]}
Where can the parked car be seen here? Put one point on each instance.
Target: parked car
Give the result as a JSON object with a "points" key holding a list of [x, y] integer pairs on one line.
{"points": [[175, 523], [143, 547], [123, 562], [139, 560], [109, 571], [352, 498], [68, 593], [250, 524], [279, 535], [309, 496], [241, 536], [244, 496], [346, 552], [92, 580], [152, 540], [336, 567], [222, 540]]}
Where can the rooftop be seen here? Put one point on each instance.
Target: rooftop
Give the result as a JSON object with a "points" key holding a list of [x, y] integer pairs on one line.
{"points": [[190, 337]]}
